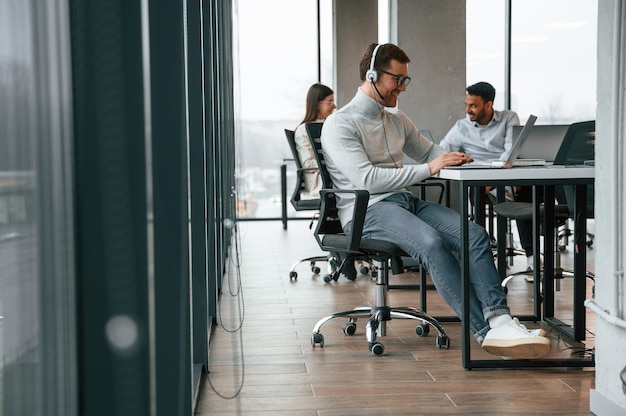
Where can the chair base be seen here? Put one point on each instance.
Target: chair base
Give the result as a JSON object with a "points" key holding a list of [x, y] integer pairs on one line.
{"points": [[293, 275], [559, 274], [334, 268], [377, 317]]}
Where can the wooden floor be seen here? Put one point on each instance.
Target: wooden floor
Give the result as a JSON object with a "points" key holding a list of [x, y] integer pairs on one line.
{"points": [[262, 361]]}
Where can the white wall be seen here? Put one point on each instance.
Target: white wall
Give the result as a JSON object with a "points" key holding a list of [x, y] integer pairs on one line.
{"points": [[609, 398]]}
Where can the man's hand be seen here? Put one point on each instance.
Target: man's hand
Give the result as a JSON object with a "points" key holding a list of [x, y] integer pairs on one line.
{"points": [[448, 159]]}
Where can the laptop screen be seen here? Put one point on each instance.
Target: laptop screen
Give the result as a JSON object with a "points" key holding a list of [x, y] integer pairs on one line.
{"points": [[521, 139], [543, 142]]}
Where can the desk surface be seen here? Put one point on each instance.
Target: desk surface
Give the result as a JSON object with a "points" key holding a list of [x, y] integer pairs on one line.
{"points": [[523, 172]]}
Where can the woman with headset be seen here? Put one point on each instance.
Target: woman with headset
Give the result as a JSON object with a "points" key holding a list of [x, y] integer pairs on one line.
{"points": [[320, 103]]}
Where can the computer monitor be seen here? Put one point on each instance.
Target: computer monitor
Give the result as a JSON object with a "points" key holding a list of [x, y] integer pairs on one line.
{"points": [[578, 145], [543, 142]]}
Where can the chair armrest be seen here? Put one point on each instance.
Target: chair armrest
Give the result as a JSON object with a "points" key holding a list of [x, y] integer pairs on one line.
{"points": [[426, 184], [358, 213]]}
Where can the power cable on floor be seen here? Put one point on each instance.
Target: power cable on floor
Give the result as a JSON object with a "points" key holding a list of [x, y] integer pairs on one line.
{"points": [[232, 278]]}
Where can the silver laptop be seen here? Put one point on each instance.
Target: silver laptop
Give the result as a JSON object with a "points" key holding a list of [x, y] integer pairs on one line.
{"points": [[543, 142], [512, 160]]}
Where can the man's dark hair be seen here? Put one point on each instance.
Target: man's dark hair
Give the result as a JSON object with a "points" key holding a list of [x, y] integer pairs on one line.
{"points": [[384, 55], [482, 89]]}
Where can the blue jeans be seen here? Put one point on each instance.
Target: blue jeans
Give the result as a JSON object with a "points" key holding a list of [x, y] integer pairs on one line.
{"points": [[430, 233]]}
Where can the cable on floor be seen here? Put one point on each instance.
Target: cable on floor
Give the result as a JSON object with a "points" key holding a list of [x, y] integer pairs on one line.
{"points": [[233, 281]]}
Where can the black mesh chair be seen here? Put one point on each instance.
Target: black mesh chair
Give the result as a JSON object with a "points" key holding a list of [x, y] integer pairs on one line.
{"points": [[513, 210], [302, 204], [330, 237]]}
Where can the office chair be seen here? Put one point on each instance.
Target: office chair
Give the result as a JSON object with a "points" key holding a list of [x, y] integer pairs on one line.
{"points": [[303, 204], [512, 210], [300, 204], [576, 148], [511, 250], [330, 237]]}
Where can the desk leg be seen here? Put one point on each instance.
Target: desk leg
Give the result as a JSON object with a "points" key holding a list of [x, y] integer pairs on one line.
{"points": [[536, 252], [548, 251], [283, 195], [577, 329], [501, 237], [580, 261], [465, 288]]}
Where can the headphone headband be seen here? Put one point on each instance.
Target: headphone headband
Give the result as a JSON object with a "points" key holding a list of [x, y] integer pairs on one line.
{"points": [[372, 75]]}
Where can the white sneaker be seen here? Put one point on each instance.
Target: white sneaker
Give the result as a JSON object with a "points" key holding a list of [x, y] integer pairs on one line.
{"points": [[514, 340], [539, 332]]}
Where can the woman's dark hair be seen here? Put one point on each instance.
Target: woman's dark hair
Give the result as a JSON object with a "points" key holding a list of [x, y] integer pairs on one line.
{"points": [[482, 89], [317, 93], [384, 55]]}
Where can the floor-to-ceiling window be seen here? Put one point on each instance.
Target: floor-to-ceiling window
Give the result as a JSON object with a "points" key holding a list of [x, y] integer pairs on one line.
{"points": [[553, 56], [279, 58]]}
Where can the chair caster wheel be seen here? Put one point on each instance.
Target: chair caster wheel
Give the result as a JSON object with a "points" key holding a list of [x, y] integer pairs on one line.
{"points": [[443, 341], [364, 270], [293, 275], [377, 348], [349, 328], [328, 278], [317, 338], [315, 270], [422, 330]]}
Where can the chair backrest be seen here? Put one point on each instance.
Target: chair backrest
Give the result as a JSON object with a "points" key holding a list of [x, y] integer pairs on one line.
{"points": [[329, 233], [578, 147], [315, 134], [329, 222], [296, 200], [291, 140]]}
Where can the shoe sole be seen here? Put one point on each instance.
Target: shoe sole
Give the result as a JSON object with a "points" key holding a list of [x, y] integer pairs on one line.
{"points": [[527, 348]]}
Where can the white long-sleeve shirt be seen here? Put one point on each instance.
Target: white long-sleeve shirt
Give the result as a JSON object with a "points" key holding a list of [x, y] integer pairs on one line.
{"points": [[364, 145], [312, 180]]}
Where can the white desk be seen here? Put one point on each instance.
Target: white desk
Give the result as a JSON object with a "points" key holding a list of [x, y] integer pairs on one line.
{"points": [[548, 177]]}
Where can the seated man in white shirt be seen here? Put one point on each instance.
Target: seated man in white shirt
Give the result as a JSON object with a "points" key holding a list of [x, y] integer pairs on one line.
{"points": [[487, 134]]}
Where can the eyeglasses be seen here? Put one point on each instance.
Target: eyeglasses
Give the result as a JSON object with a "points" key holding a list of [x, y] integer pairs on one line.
{"points": [[400, 78]]}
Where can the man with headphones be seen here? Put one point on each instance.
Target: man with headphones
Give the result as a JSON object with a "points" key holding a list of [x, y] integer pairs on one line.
{"points": [[364, 144]]}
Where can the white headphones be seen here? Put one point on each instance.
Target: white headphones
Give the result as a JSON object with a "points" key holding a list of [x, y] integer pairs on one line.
{"points": [[372, 75]]}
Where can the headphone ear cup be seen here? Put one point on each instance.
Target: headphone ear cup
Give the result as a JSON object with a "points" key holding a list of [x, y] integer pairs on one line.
{"points": [[371, 75]]}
